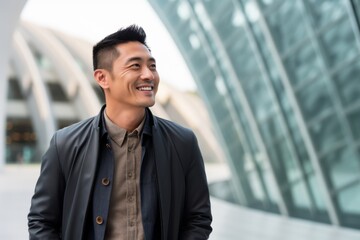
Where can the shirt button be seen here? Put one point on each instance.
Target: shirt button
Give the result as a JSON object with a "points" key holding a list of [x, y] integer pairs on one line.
{"points": [[132, 223], [99, 220], [131, 198], [130, 174], [105, 181]]}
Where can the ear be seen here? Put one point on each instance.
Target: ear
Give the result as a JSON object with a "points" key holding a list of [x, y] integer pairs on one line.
{"points": [[102, 78]]}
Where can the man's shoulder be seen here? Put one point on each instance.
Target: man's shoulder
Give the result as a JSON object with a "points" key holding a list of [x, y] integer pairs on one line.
{"points": [[77, 128], [173, 128]]}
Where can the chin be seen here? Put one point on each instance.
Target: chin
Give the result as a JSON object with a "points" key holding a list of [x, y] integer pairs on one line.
{"points": [[148, 104]]}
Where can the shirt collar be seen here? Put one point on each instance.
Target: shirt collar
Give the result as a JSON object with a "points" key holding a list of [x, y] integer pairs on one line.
{"points": [[147, 129]]}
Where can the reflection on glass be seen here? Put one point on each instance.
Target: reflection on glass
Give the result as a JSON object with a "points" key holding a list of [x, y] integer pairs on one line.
{"points": [[339, 43], [343, 167], [327, 134]]}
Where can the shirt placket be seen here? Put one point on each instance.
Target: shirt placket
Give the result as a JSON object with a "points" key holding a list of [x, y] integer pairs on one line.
{"points": [[131, 187]]}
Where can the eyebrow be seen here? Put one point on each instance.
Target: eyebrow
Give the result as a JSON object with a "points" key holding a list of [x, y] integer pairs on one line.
{"points": [[135, 59]]}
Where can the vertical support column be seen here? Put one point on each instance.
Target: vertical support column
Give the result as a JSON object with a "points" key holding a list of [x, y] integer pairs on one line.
{"points": [[9, 12]]}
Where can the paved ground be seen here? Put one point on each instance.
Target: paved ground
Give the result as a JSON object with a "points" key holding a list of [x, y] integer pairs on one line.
{"points": [[16, 188], [230, 222]]}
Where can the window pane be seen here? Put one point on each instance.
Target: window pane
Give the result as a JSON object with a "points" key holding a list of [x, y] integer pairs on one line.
{"points": [[14, 91], [349, 200], [300, 195], [302, 65], [343, 167], [56, 92], [20, 141], [354, 119], [339, 43], [326, 134], [287, 25], [256, 187], [324, 12], [314, 99], [348, 84], [284, 164], [318, 197]]}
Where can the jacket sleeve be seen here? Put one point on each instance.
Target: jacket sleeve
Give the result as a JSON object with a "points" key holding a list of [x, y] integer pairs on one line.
{"points": [[197, 215], [45, 217]]}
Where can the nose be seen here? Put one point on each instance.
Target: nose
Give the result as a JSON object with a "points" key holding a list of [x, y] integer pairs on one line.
{"points": [[147, 74]]}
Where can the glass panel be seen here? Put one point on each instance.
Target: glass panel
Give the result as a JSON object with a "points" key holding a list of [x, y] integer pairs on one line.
{"points": [[349, 200], [185, 38], [284, 164], [172, 14], [268, 60], [302, 65], [349, 204], [354, 119], [56, 92], [356, 5], [301, 150], [264, 4], [200, 61], [259, 98], [270, 184], [224, 190], [242, 58], [314, 99], [14, 91], [256, 187], [300, 195], [325, 12], [221, 14], [287, 25], [326, 134], [271, 129], [315, 190], [207, 81], [20, 141], [343, 167], [347, 81], [339, 44]]}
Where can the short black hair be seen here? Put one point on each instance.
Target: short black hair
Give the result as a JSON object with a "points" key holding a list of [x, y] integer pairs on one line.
{"points": [[105, 52]]}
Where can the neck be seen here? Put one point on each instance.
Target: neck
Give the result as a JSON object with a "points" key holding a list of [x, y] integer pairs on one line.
{"points": [[127, 119]]}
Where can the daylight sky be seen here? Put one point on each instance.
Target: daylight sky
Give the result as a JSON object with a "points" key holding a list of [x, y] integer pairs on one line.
{"points": [[94, 19]]}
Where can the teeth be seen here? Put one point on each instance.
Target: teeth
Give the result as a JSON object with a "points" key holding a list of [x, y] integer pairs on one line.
{"points": [[145, 88]]}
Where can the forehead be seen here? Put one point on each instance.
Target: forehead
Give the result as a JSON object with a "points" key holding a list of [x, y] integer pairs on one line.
{"points": [[133, 49]]}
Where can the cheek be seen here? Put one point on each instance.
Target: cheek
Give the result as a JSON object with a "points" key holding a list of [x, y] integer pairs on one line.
{"points": [[157, 79]]}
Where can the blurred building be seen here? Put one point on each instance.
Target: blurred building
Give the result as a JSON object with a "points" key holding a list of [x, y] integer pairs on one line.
{"points": [[50, 85], [10, 12], [282, 82]]}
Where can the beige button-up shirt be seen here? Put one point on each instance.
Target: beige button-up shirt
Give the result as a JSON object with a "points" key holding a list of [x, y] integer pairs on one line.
{"points": [[124, 220]]}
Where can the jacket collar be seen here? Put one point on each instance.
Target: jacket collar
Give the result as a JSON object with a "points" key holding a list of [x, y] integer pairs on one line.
{"points": [[149, 125]]}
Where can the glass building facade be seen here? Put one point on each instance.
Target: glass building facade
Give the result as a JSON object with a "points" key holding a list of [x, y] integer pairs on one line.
{"points": [[281, 80]]}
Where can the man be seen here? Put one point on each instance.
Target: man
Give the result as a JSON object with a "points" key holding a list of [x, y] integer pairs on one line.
{"points": [[124, 174]]}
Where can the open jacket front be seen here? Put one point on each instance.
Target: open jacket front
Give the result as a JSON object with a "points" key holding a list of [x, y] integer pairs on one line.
{"points": [[62, 194]]}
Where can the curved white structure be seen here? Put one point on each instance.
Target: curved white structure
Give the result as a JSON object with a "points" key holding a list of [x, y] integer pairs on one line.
{"points": [[10, 11]]}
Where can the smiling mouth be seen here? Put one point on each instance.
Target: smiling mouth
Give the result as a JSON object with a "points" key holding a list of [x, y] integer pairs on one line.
{"points": [[148, 88]]}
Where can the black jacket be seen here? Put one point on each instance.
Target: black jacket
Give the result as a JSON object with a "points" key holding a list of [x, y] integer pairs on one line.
{"points": [[62, 193]]}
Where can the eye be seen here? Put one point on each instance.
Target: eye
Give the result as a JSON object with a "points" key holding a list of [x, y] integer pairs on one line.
{"points": [[152, 66], [135, 66]]}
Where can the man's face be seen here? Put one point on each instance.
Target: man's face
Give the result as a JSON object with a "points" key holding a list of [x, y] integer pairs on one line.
{"points": [[134, 80]]}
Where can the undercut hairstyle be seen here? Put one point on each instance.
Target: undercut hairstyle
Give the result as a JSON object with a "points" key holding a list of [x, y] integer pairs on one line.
{"points": [[105, 52]]}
